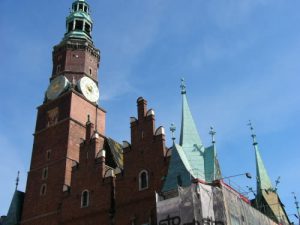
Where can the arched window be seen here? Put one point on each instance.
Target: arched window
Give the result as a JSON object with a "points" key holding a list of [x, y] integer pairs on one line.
{"points": [[43, 189], [143, 180], [85, 199]]}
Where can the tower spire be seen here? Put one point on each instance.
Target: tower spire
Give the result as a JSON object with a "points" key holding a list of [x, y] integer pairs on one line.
{"points": [[263, 179], [190, 139]]}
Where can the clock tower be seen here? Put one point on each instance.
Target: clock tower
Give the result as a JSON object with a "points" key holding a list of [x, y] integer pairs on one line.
{"points": [[70, 105]]}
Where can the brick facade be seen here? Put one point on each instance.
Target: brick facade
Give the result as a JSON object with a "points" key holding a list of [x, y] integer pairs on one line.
{"points": [[72, 157]]}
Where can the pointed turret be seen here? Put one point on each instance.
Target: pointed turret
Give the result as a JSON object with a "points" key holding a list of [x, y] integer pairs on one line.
{"points": [[266, 200], [262, 178], [15, 209], [190, 140], [190, 159]]}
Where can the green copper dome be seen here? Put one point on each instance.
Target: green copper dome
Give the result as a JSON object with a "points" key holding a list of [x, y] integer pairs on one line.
{"points": [[79, 23]]}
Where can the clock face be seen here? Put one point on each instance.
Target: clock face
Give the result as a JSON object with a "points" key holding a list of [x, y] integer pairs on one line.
{"points": [[89, 89], [57, 86]]}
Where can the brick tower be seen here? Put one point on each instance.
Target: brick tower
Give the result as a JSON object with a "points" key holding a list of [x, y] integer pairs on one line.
{"points": [[77, 175], [71, 100]]}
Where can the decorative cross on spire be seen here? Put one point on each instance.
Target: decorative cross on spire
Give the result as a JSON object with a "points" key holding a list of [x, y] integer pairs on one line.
{"points": [[17, 180], [253, 135], [213, 134], [173, 129], [297, 205], [276, 184], [183, 86]]}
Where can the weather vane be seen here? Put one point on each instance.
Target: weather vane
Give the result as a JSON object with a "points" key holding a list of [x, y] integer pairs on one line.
{"points": [[173, 129], [213, 134], [183, 86], [253, 135]]}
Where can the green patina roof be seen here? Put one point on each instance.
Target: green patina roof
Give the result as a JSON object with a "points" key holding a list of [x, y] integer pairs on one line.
{"points": [[263, 179], [191, 142], [15, 209], [178, 169], [211, 164], [190, 159], [79, 15]]}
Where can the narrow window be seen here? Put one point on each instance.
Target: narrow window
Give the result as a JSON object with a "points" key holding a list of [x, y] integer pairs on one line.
{"points": [[179, 180], [48, 154], [43, 189], [74, 7], [70, 26], [79, 25], [45, 173], [85, 8], [90, 71], [58, 67], [143, 180], [85, 198], [87, 28], [80, 6]]}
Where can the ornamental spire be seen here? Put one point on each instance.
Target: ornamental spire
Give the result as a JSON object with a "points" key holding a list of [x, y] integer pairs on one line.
{"points": [[189, 137], [263, 179]]}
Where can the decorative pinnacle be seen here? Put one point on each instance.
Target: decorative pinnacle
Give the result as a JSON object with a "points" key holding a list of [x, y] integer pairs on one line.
{"points": [[173, 129], [296, 201], [183, 86], [253, 135], [17, 180], [276, 184], [213, 134]]}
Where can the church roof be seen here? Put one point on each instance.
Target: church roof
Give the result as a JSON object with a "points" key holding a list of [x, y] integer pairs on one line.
{"points": [[263, 179], [117, 152], [15, 209], [190, 159], [190, 140]]}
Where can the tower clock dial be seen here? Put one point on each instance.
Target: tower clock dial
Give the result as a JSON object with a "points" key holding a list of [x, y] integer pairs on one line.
{"points": [[57, 86], [88, 88]]}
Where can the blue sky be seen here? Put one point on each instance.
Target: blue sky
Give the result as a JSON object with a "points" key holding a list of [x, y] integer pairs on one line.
{"points": [[240, 60]]}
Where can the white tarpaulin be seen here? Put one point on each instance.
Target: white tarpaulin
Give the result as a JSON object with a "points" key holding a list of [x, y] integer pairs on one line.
{"points": [[202, 204]]}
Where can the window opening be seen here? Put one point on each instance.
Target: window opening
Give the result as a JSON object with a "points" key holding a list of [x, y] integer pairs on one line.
{"points": [[87, 28], [85, 8], [45, 173], [58, 67], [80, 6], [48, 154], [143, 180], [85, 198], [179, 180], [90, 71], [78, 25], [70, 26], [43, 189]]}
